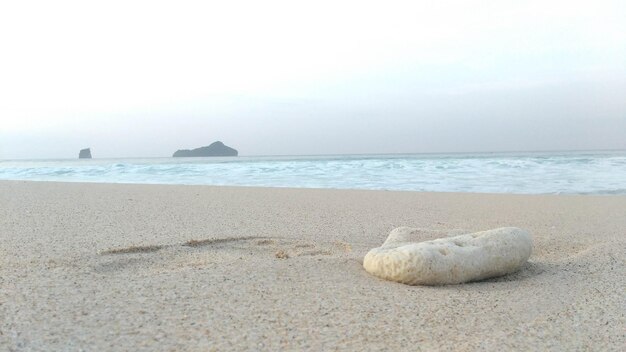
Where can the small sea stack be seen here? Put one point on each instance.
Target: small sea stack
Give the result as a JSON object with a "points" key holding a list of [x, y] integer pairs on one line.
{"points": [[84, 154]]}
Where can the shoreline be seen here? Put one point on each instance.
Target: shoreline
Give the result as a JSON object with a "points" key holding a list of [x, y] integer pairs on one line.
{"points": [[100, 266], [573, 173], [319, 189]]}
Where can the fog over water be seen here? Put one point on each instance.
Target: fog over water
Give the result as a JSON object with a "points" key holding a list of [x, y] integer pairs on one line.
{"points": [[144, 78]]}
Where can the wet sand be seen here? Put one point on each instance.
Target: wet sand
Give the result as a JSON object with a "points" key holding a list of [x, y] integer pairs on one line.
{"points": [[152, 267]]}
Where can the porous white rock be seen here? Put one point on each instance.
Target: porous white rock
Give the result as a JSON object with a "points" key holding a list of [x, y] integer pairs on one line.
{"points": [[450, 260]]}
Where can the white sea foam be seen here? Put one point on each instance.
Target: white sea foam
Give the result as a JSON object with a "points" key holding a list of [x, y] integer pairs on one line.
{"points": [[533, 173]]}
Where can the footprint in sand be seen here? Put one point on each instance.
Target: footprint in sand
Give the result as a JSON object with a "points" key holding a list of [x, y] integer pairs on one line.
{"points": [[196, 252], [132, 249]]}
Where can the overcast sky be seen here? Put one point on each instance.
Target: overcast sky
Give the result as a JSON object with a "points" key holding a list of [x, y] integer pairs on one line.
{"points": [[144, 78]]}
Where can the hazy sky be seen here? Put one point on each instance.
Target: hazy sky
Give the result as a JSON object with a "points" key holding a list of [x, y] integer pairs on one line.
{"points": [[144, 78]]}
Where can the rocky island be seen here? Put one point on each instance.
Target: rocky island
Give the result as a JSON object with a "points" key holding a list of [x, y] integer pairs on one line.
{"points": [[84, 154], [215, 149]]}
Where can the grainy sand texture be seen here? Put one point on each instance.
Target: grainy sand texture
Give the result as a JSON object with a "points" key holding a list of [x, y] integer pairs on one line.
{"points": [[99, 267]]}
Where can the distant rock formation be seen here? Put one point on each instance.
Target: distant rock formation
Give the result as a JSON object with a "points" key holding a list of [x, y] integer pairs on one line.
{"points": [[84, 154], [215, 149]]}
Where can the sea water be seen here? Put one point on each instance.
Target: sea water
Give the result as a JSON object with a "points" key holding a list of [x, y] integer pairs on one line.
{"points": [[526, 173]]}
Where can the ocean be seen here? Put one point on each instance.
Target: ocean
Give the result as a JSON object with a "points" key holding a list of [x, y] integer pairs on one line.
{"points": [[594, 172]]}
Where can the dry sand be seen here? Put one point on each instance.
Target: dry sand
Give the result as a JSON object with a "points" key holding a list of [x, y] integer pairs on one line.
{"points": [[149, 267]]}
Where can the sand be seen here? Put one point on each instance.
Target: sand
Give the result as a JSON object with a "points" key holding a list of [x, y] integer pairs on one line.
{"points": [[99, 267]]}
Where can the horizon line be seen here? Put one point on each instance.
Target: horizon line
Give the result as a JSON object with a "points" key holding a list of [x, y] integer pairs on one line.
{"points": [[333, 154]]}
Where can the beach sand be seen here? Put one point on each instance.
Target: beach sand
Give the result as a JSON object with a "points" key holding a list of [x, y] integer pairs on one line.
{"points": [[100, 267]]}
